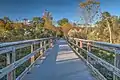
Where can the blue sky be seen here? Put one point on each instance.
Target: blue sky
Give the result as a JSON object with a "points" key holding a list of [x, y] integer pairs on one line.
{"points": [[59, 8]]}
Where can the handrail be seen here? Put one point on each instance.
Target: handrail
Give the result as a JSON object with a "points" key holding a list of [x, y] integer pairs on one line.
{"points": [[100, 43], [81, 45], [10, 49], [7, 47], [103, 45], [22, 42], [97, 73]]}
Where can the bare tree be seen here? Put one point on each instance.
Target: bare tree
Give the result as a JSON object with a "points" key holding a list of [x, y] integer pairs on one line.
{"points": [[89, 11]]}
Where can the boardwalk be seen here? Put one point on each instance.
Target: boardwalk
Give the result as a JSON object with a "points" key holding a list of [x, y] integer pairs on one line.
{"points": [[62, 64]]}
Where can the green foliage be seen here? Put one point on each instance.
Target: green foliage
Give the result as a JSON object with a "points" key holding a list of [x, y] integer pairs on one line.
{"points": [[105, 15], [62, 21], [102, 33], [8, 26], [11, 31], [36, 19], [88, 2], [6, 19], [2, 23]]}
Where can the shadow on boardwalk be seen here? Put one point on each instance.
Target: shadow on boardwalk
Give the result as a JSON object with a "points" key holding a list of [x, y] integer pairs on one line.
{"points": [[60, 64]]}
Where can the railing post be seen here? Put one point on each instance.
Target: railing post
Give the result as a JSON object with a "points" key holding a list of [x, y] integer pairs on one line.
{"points": [[9, 75], [32, 58], [76, 44], [81, 45], [74, 41], [13, 60], [89, 50], [41, 51], [116, 62], [51, 43], [44, 45]]}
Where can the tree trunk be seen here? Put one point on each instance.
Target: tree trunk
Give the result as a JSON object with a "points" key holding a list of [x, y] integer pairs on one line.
{"points": [[110, 32]]}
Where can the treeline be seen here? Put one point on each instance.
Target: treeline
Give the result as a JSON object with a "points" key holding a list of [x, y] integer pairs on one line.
{"points": [[107, 29], [14, 31]]}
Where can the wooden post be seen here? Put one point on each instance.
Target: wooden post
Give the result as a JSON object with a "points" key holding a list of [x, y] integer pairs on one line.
{"points": [[88, 50], [41, 51], [116, 62], [77, 45], [13, 60], [10, 60], [51, 43], [74, 43], [44, 45], [32, 58], [81, 45], [9, 75], [70, 40]]}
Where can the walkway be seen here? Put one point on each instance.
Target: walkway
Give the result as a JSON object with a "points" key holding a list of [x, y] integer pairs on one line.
{"points": [[62, 64]]}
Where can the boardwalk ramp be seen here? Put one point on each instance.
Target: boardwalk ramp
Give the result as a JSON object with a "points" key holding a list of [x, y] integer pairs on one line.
{"points": [[60, 63]]}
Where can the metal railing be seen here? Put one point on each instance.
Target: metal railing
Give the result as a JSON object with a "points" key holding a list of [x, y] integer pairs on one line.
{"points": [[101, 57], [19, 57]]}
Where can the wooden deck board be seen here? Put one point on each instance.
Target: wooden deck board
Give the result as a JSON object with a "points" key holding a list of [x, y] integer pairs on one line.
{"points": [[60, 64]]}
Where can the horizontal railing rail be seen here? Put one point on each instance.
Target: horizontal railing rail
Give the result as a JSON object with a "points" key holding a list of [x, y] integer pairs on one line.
{"points": [[22, 42], [103, 58], [28, 51]]}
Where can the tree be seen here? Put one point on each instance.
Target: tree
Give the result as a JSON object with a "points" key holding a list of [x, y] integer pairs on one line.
{"points": [[25, 21], [6, 19], [12, 31], [105, 15], [119, 19], [90, 12], [36, 19], [8, 26], [48, 17], [107, 29], [2, 23], [62, 21], [66, 28]]}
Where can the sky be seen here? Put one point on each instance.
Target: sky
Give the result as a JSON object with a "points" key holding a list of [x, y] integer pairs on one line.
{"points": [[19, 9]]}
